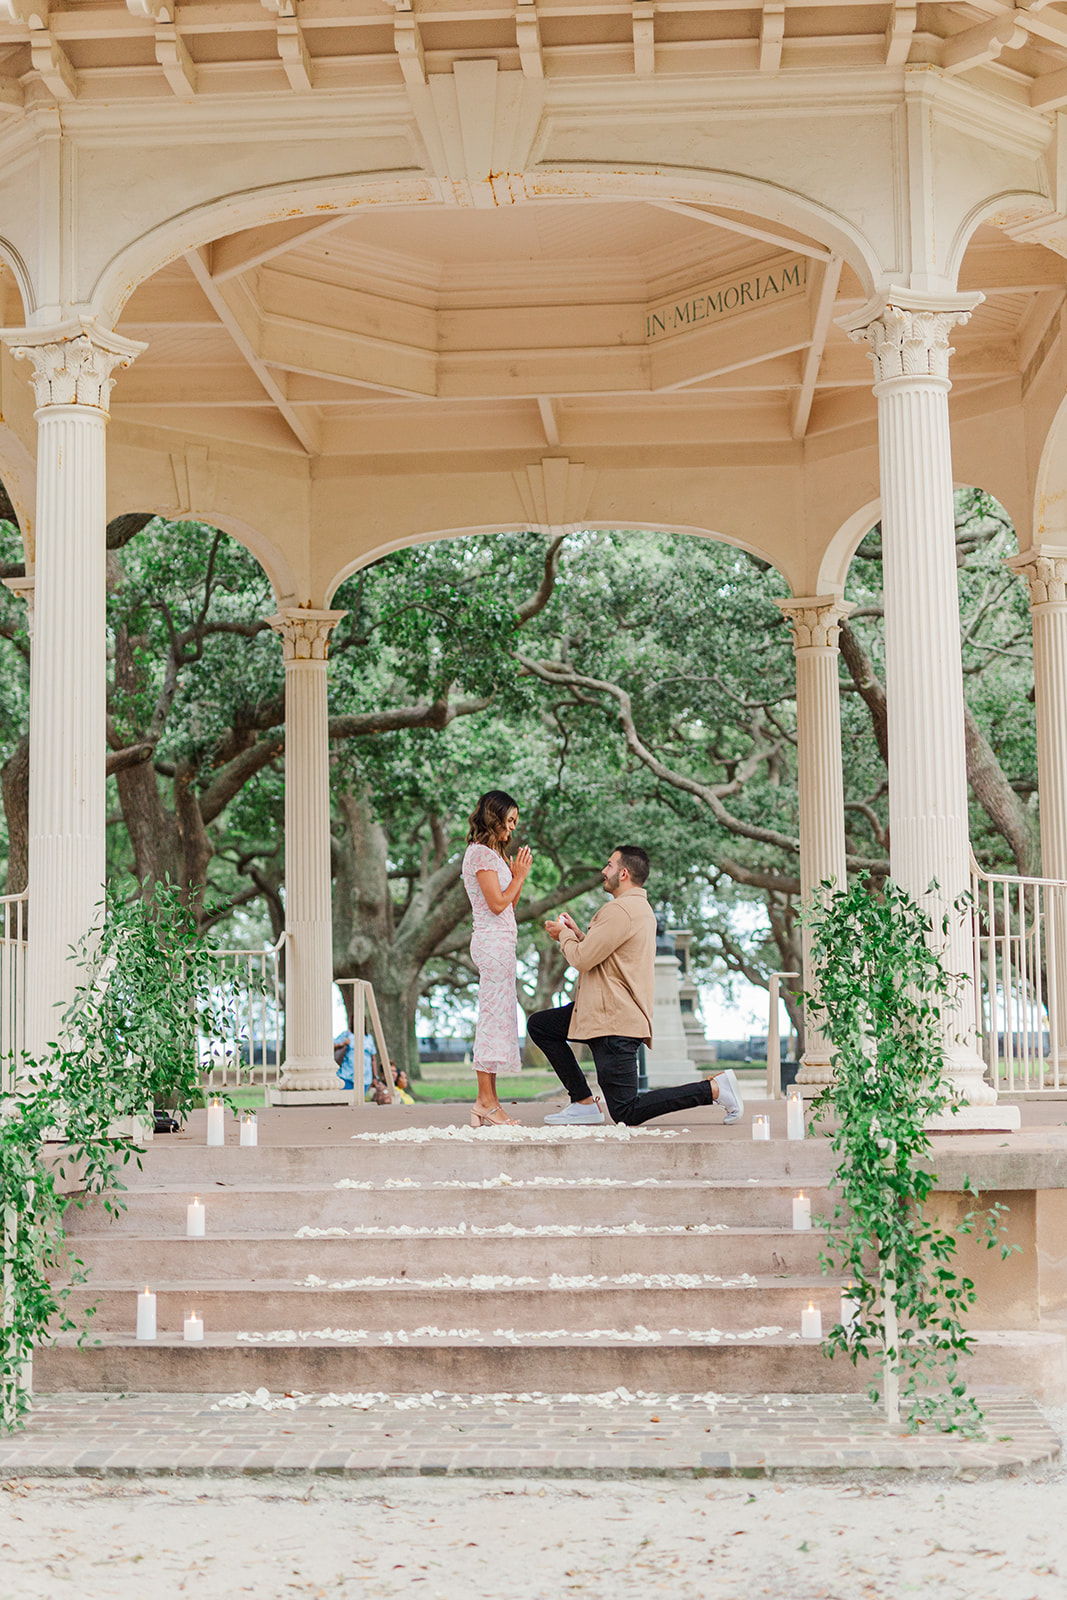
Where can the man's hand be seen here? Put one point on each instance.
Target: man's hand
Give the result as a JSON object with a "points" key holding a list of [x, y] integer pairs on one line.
{"points": [[567, 921], [554, 929]]}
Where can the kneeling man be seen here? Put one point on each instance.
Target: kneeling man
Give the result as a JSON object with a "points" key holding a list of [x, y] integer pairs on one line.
{"points": [[612, 1008]]}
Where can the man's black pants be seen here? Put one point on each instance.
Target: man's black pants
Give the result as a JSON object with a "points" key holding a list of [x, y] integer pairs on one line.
{"points": [[615, 1058]]}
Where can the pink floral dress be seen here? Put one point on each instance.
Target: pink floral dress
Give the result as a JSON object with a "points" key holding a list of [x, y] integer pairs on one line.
{"points": [[496, 1038]]}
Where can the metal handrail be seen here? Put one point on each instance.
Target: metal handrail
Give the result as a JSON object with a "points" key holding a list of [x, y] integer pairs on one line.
{"points": [[12, 986], [261, 1002]]}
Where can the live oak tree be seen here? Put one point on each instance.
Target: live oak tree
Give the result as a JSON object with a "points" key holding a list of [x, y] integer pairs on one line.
{"points": [[621, 685]]}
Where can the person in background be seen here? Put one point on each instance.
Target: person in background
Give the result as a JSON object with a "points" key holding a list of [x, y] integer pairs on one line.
{"points": [[344, 1053], [403, 1087]]}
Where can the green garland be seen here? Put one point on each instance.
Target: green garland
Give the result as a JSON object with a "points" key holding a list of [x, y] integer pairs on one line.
{"points": [[881, 990], [149, 986]]}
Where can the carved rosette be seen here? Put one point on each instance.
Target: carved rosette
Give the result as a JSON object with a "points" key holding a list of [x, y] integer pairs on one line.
{"points": [[816, 622], [1046, 573], [305, 634], [72, 372], [909, 343]]}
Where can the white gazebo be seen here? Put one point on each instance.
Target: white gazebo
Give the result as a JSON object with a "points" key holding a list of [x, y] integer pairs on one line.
{"points": [[385, 273]]}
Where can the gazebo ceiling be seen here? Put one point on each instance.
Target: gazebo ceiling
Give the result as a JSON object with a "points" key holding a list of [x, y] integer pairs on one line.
{"points": [[585, 325], [147, 49]]}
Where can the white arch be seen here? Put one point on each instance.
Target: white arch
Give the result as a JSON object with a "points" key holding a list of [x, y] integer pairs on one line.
{"points": [[1050, 487], [231, 213], [409, 541], [1011, 201], [837, 558], [833, 572], [21, 273], [263, 550]]}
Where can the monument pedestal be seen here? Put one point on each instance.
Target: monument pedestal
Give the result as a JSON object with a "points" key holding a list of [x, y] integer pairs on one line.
{"points": [[668, 1061]]}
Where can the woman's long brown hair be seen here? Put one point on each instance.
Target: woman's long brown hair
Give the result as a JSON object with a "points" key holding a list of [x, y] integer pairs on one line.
{"points": [[488, 819]]}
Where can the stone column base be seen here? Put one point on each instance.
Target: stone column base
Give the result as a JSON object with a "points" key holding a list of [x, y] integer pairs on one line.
{"points": [[309, 1082], [977, 1119], [815, 1073], [277, 1095]]}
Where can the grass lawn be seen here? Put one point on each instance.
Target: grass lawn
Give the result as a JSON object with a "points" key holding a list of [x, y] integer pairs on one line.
{"points": [[463, 1090], [458, 1090]]}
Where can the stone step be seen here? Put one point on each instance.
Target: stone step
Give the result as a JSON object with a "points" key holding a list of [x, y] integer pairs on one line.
{"points": [[288, 1208], [480, 1158], [1033, 1362], [133, 1258], [573, 1303]]}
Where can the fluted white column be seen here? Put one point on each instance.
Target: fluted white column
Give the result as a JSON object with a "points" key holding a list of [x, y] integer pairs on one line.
{"points": [[816, 628], [1045, 568], [309, 1072], [928, 820], [72, 378]]}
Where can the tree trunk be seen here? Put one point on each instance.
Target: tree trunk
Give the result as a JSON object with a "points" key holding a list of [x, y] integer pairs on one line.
{"points": [[15, 780]]}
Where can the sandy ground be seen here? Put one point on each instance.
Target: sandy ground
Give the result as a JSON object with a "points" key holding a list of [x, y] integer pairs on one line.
{"points": [[528, 1540]]}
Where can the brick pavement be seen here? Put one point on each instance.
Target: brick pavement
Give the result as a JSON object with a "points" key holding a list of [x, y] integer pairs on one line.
{"points": [[617, 1435]]}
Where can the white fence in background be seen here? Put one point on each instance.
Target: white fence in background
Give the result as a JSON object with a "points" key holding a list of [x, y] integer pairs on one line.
{"points": [[12, 985], [364, 1011], [1020, 968], [248, 1048]]}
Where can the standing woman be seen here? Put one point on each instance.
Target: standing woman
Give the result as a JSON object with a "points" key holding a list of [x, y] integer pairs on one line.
{"points": [[493, 884]]}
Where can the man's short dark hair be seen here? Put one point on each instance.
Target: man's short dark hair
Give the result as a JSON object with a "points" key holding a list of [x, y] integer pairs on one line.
{"points": [[636, 862]]}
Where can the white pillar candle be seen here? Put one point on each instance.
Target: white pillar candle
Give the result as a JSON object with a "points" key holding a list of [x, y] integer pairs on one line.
{"points": [[194, 1219], [802, 1213], [216, 1127], [850, 1309], [794, 1115], [193, 1328], [761, 1127], [249, 1130], [146, 1315], [811, 1323]]}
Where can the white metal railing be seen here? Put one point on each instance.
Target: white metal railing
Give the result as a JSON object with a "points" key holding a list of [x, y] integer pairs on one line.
{"points": [[774, 1036], [1019, 928], [247, 1049], [364, 1008], [12, 985]]}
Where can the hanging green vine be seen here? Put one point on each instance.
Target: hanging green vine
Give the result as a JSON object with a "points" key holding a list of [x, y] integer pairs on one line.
{"points": [[880, 995], [149, 985]]}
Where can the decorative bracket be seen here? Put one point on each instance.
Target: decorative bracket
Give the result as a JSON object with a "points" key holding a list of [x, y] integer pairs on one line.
{"points": [[408, 43], [528, 38], [643, 14], [32, 14], [292, 45]]}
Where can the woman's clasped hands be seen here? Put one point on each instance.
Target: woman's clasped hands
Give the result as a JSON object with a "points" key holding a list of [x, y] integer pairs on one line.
{"points": [[520, 863]]}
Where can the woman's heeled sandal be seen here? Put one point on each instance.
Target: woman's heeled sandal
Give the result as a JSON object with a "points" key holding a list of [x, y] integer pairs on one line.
{"points": [[497, 1118]]}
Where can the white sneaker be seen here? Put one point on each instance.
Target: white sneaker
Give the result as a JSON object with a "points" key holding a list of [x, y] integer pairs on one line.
{"points": [[730, 1097], [577, 1112]]}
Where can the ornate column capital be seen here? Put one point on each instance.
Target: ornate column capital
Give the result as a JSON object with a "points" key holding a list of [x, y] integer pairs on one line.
{"points": [[73, 363], [22, 588], [908, 334], [815, 620], [305, 634], [1045, 569]]}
